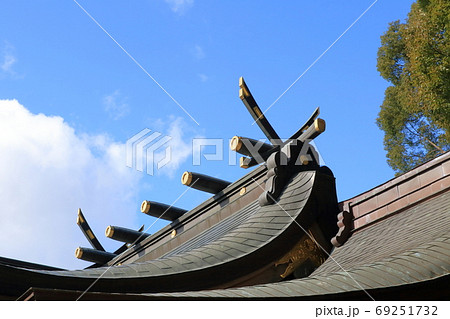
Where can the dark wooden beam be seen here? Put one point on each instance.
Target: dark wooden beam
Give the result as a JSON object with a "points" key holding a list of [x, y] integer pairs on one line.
{"points": [[203, 182], [125, 235], [248, 146], [316, 128], [307, 124], [94, 255], [87, 231], [309, 132], [257, 114], [125, 246], [160, 210]]}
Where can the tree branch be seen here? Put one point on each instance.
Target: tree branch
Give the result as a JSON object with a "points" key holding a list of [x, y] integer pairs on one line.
{"points": [[424, 138]]}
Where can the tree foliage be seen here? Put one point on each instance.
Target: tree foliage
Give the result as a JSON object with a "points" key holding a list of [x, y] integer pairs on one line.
{"points": [[415, 58]]}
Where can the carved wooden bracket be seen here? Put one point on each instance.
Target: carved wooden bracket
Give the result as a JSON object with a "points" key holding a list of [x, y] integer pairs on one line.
{"points": [[276, 178], [306, 249], [345, 224]]}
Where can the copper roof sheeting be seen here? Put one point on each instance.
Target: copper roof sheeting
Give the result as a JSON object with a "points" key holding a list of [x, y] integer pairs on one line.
{"points": [[410, 247], [407, 251], [401, 192], [401, 253], [204, 216]]}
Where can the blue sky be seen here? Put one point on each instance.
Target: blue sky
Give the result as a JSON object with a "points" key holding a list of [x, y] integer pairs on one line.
{"points": [[80, 97]]}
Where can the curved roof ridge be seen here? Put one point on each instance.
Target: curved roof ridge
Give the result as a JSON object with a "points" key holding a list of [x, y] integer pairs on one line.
{"points": [[327, 283]]}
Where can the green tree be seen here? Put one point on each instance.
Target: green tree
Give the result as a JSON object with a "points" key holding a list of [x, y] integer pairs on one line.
{"points": [[415, 58]]}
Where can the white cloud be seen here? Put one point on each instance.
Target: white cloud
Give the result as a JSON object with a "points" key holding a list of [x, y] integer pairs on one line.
{"points": [[8, 59], [180, 6], [115, 105], [180, 147], [48, 171], [198, 52], [203, 77]]}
